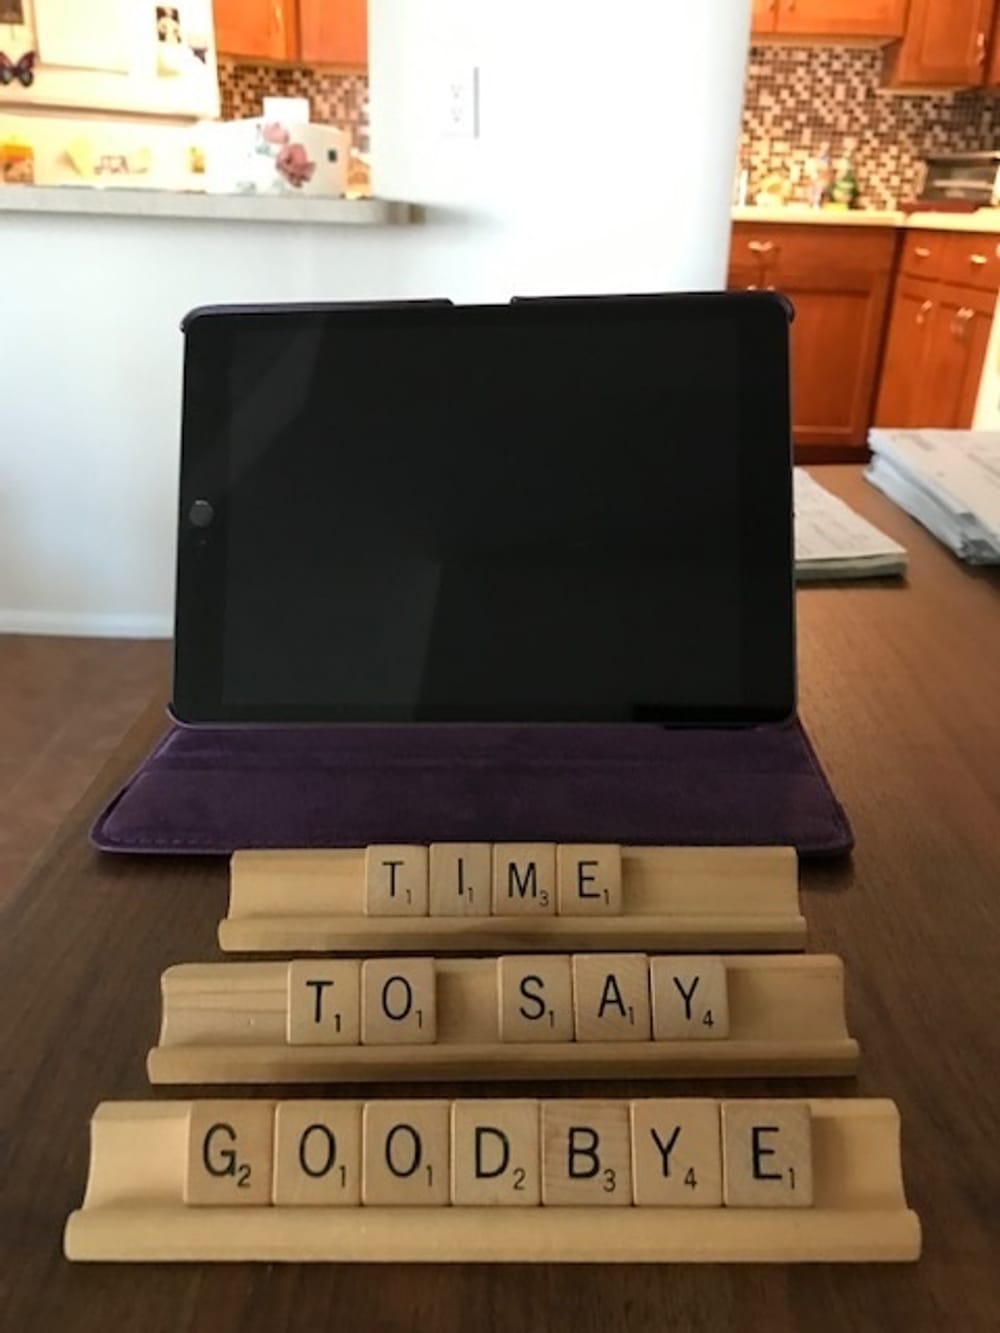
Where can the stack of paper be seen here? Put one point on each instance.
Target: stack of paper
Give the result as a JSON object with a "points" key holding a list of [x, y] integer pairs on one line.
{"points": [[833, 542], [949, 480]]}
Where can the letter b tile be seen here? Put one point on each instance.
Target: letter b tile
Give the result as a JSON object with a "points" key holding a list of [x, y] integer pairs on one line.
{"points": [[586, 1153]]}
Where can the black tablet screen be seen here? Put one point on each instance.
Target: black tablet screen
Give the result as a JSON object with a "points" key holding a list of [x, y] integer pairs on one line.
{"points": [[511, 513]]}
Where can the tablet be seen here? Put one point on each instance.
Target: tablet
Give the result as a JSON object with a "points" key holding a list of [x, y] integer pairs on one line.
{"points": [[548, 511]]}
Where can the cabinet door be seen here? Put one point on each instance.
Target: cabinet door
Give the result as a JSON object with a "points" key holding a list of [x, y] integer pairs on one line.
{"points": [[934, 356], [334, 32], [842, 18], [260, 28], [944, 46], [912, 324], [764, 16], [838, 280], [959, 336], [836, 335]]}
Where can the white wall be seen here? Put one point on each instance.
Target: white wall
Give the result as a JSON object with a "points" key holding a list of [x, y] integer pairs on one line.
{"points": [[90, 381], [607, 140], [605, 162]]}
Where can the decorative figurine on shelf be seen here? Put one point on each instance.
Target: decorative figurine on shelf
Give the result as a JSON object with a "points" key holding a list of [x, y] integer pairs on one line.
{"points": [[291, 160]]}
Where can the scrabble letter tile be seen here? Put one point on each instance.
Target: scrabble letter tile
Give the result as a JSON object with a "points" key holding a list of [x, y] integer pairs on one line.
{"points": [[589, 879], [676, 1152], [398, 1001], [586, 1154], [229, 1153], [406, 1157], [611, 996], [317, 1153], [524, 878], [324, 1002], [495, 1156], [767, 1154], [535, 998], [461, 878], [396, 881], [690, 998]]}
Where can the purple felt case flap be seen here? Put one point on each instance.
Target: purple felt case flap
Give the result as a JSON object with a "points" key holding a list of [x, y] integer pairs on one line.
{"points": [[212, 790]]}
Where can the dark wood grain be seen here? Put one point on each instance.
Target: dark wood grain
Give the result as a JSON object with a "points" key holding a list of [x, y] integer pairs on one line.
{"points": [[900, 688], [65, 704]]}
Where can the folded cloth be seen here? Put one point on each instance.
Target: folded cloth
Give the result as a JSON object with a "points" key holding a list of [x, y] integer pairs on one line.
{"points": [[215, 789]]}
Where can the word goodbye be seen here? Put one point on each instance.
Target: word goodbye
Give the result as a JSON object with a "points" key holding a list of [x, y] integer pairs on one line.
{"points": [[539, 998], [500, 879], [658, 1152]]}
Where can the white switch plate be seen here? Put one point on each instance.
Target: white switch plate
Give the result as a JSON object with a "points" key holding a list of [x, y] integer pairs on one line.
{"points": [[460, 106]]}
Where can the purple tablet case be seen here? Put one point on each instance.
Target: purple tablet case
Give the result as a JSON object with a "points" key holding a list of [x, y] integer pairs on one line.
{"points": [[212, 790]]}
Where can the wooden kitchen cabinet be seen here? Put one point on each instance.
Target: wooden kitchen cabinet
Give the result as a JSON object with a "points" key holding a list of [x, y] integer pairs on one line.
{"points": [[907, 350], [334, 32], [764, 17], [934, 354], [838, 279], [841, 18], [945, 45], [257, 29], [310, 32], [829, 19]]}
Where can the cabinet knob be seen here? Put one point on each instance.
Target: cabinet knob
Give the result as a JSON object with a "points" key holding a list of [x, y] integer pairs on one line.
{"points": [[960, 324], [925, 309], [978, 260], [922, 252], [760, 247], [980, 48]]}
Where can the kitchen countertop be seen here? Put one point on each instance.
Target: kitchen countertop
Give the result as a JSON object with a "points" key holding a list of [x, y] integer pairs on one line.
{"points": [[983, 220], [211, 207]]}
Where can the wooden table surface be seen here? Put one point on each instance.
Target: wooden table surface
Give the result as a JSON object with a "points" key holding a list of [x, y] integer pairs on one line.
{"points": [[900, 689]]}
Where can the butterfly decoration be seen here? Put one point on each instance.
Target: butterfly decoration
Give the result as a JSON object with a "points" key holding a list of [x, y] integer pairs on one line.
{"points": [[23, 70]]}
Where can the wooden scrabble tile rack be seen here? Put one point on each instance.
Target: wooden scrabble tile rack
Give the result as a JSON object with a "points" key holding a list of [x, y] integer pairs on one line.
{"points": [[814, 1180], [451, 1018], [448, 898]]}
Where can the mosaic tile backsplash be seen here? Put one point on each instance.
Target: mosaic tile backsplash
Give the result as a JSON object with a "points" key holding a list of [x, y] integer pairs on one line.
{"points": [[334, 99], [798, 98]]}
